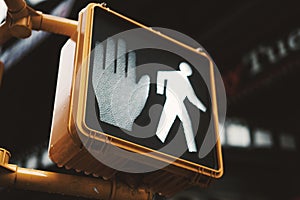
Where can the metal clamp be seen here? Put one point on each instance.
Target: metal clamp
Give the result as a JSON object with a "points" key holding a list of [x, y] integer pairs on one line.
{"points": [[22, 19]]}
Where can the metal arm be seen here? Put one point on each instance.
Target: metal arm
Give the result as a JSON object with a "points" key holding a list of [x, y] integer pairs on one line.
{"points": [[22, 19], [37, 180]]}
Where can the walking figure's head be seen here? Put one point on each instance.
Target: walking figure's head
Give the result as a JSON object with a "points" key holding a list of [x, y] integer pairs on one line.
{"points": [[185, 69]]}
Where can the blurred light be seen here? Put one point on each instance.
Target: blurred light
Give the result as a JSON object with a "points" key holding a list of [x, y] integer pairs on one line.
{"points": [[262, 138], [32, 172], [223, 138], [46, 162], [287, 142], [32, 162], [35, 2], [3, 10], [238, 135]]}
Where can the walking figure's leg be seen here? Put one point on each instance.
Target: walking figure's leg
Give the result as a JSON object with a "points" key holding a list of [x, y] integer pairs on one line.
{"points": [[166, 121], [188, 129]]}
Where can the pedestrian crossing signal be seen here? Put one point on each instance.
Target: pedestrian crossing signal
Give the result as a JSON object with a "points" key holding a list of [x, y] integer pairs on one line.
{"points": [[133, 100]]}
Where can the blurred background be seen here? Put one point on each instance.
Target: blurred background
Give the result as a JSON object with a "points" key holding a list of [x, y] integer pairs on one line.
{"points": [[256, 46]]}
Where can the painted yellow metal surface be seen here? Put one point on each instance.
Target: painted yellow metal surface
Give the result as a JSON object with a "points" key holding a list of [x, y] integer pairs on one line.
{"points": [[51, 182]]}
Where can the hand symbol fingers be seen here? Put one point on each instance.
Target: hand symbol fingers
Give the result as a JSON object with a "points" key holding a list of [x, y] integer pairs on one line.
{"points": [[110, 56], [131, 63], [144, 81], [98, 63], [121, 58]]}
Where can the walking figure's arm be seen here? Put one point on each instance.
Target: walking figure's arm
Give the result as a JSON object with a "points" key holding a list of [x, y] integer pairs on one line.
{"points": [[160, 83], [194, 100]]}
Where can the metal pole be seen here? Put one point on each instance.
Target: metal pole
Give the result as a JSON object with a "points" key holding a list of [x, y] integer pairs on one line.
{"points": [[22, 19], [37, 180], [15, 5], [53, 24], [5, 35]]}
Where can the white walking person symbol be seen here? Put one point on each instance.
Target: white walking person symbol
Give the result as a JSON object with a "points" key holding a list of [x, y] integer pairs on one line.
{"points": [[178, 87]]}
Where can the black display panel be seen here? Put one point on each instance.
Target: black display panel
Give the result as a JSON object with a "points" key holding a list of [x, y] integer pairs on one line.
{"points": [[145, 124]]}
